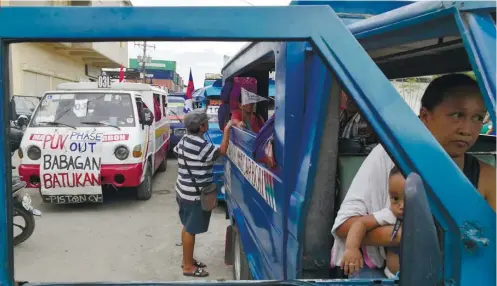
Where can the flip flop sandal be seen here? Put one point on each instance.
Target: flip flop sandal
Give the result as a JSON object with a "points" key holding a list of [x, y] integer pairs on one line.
{"points": [[198, 264], [199, 272]]}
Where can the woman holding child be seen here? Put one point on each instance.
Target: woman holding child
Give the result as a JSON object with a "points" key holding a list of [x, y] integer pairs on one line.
{"points": [[453, 110]]}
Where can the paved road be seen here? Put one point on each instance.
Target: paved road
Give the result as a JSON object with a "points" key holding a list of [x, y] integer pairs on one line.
{"points": [[121, 240]]}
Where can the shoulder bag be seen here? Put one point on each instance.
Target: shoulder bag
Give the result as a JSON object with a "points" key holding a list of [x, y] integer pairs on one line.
{"points": [[208, 194]]}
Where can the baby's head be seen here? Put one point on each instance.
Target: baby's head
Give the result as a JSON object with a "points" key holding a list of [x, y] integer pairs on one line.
{"points": [[396, 184]]}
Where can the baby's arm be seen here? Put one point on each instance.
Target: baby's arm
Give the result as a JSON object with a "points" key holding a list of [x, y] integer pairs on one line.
{"points": [[352, 259]]}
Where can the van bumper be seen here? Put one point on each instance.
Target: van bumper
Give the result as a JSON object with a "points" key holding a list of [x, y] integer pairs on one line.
{"points": [[127, 175]]}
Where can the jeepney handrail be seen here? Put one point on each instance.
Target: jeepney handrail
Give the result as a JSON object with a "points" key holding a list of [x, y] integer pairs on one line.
{"points": [[374, 95]]}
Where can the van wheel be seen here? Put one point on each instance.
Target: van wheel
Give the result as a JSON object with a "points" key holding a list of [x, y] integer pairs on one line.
{"points": [[241, 270], [163, 165], [144, 190]]}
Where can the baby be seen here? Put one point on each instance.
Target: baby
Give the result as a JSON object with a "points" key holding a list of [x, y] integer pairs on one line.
{"points": [[352, 261]]}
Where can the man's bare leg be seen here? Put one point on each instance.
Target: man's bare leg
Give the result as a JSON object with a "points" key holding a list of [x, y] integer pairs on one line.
{"points": [[188, 246]]}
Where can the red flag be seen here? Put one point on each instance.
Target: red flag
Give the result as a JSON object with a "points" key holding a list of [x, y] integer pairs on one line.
{"points": [[190, 89], [121, 74]]}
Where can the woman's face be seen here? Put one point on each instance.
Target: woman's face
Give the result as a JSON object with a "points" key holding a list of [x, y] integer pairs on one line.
{"points": [[248, 107], [457, 121]]}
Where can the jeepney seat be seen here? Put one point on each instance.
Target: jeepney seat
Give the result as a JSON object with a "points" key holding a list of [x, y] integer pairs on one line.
{"points": [[348, 165]]}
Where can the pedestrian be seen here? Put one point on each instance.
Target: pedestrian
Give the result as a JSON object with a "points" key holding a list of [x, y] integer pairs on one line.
{"points": [[196, 157]]}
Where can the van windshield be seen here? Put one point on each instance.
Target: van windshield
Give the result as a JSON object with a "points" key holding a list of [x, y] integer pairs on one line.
{"points": [[176, 106], [85, 109]]}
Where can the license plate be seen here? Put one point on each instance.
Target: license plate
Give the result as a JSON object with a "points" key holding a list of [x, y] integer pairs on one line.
{"points": [[73, 199], [179, 132]]}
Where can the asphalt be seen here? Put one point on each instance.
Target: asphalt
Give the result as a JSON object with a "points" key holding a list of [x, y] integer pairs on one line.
{"points": [[120, 240]]}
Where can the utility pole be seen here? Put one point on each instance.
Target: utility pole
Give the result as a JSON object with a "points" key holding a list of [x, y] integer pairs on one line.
{"points": [[143, 59]]}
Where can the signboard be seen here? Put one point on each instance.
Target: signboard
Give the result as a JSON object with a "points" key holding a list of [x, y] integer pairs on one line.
{"points": [[212, 110], [215, 102], [213, 76], [196, 104], [103, 81], [70, 168], [155, 64]]}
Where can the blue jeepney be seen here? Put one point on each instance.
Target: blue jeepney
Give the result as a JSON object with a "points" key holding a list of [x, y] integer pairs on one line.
{"points": [[281, 217], [207, 98]]}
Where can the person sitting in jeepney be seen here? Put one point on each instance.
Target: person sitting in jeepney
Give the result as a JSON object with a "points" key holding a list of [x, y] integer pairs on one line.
{"points": [[246, 117], [453, 110], [353, 126]]}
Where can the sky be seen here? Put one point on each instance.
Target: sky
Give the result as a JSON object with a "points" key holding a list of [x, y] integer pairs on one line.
{"points": [[201, 57]]}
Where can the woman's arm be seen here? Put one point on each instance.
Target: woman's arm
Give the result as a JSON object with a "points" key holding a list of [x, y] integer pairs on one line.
{"points": [[352, 259], [359, 229], [379, 236]]}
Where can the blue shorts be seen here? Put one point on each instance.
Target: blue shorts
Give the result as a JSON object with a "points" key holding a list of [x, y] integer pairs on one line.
{"points": [[192, 216]]}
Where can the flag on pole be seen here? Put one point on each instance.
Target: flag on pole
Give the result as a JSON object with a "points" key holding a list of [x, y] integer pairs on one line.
{"points": [[189, 92], [250, 97], [121, 74]]}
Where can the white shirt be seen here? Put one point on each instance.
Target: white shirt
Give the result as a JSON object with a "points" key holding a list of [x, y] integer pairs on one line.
{"points": [[367, 194]]}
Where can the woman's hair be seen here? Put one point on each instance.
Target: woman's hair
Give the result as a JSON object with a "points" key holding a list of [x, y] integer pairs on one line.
{"points": [[438, 90]]}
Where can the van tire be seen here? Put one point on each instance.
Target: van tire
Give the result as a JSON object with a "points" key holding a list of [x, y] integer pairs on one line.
{"points": [[241, 270], [163, 165], [144, 190]]}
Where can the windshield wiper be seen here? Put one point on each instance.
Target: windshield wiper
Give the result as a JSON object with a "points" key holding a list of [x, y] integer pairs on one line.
{"points": [[56, 124], [174, 113], [100, 124]]}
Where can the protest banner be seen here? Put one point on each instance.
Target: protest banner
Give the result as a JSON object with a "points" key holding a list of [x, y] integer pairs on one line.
{"points": [[70, 168]]}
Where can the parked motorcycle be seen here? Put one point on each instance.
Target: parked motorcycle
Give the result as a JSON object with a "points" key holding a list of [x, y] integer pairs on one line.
{"points": [[22, 206]]}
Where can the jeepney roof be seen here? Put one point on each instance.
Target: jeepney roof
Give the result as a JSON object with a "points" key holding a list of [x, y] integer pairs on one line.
{"points": [[114, 87], [400, 43]]}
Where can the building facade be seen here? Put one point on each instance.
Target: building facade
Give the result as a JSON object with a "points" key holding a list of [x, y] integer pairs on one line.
{"points": [[159, 72], [38, 67]]}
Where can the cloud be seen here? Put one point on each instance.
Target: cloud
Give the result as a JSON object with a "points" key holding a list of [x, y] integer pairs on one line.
{"points": [[201, 57]]}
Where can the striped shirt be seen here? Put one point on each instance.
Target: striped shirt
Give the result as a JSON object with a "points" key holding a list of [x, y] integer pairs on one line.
{"points": [[200, 156]]}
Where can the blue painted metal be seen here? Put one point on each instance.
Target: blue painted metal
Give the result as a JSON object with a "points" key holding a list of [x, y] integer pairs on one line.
{"points": [[366, 8], [479, 36], [6, 249], [374, 95]]}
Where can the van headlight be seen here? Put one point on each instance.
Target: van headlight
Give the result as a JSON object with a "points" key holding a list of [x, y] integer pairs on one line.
{"points": [[34, 153], [121, 152]]}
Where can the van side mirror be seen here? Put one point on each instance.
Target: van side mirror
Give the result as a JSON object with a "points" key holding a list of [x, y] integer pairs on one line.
{"points": [[22, 121], [421, 259], [147, 117]]}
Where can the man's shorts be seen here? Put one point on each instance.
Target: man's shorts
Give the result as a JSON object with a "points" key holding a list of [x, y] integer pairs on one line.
{"points": [[193, 217]]}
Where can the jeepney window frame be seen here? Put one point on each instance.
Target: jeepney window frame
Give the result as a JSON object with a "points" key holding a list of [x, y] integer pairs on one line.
{"points": [[276, 28]]}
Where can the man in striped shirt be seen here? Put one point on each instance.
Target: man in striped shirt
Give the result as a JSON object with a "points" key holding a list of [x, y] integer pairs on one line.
{"points": [[196, 156]]}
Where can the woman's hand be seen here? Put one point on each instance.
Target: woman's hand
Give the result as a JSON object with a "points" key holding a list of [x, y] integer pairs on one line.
{"points": [[228, 126], [241, 124], [352, 261]]}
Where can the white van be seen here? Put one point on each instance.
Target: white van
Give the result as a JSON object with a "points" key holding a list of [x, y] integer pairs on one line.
{"points": [[86, 135]]}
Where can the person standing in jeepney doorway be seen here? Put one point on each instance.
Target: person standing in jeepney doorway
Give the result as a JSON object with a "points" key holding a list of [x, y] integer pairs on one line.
{"points": [[196, 157]]}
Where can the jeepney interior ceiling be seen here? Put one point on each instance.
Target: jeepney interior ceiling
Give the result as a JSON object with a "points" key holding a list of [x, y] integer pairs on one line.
{"points": [[426, 46], [265, 63], [453, 60]]}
